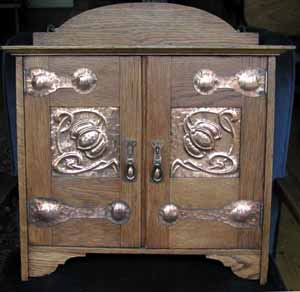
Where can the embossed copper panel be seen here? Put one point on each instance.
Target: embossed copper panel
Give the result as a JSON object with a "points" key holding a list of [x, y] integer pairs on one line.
{"points": [[239, 214], [251, 82], [41, 82], [205, 142], [46, 212], [85, 141]]}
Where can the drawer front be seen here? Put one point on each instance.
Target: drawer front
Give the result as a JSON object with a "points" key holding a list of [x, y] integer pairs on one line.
{"points": [[81, 137], [206, 117]]}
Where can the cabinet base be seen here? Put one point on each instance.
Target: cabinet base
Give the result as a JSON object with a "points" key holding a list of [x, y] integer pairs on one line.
{"points": [[244, 266], [44, 260]]}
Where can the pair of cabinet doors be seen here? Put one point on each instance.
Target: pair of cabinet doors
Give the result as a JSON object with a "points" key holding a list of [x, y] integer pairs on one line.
{"points": [[145, 152]]}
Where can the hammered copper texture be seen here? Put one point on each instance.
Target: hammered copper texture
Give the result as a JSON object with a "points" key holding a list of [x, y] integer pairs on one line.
{"points": [[85, 141], [239, 214], [205, 142], [251, 82], [47, 212], [40, 82]]}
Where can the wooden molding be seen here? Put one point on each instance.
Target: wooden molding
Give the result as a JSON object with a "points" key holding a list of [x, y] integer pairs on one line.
{"points": [[160, 50], [244, 266]]}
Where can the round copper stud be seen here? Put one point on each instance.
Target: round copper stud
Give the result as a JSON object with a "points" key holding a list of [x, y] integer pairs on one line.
{"points": [[169, 213], [119, 212]]}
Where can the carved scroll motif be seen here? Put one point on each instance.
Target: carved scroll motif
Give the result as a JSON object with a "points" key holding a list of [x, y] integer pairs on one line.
{"points": [[205, 142], [85, 141], [251, 82], [40, 82], [239, 214]]}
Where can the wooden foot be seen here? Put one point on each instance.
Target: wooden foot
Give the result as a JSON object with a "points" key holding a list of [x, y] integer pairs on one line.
{"points": [[244, 266], [42, 262]]}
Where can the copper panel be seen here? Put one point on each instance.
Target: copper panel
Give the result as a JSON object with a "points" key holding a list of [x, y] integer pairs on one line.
{"points": [[205, 142], [239, 214], [46, 212], [251, 82], [85, 141], [41, 82]]}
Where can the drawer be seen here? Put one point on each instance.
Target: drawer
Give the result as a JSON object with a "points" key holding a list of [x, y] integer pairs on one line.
{"points": [[210, 123]]}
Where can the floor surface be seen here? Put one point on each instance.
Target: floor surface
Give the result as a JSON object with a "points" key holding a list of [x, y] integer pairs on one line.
{"points": [[288, 255]]}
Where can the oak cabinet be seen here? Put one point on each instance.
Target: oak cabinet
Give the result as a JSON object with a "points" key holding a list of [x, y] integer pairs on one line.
{"points": [[139, 137]]}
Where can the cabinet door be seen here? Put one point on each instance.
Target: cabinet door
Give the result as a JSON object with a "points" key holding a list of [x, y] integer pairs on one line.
{"points": [[83, 150], [205, 149]]}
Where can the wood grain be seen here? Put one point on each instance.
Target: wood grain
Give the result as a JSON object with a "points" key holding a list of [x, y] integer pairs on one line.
{"points": [[103, 250], [118, 85], [158, 129], [84, 191], [88, 193], [118, 43], [144, 171], [252, 159], [44, 260], [204, 192], [86, 233], [38, 159], [131, 117], [74, 188], [244, 266], [21, 169], [106, 92], [39, 180], [268, 169], [218, 192], [202, 234], [145, 24]]}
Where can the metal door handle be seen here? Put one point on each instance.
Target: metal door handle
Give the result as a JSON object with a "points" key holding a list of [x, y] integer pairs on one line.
{"points": [[157, 172], [130, 169]]}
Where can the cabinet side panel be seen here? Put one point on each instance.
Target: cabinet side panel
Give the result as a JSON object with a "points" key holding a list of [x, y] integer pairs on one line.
{"points": [[21, 169], [268, 169]]}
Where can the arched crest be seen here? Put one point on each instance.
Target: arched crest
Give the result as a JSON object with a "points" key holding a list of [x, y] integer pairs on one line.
{"points": [[145, 24]]}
